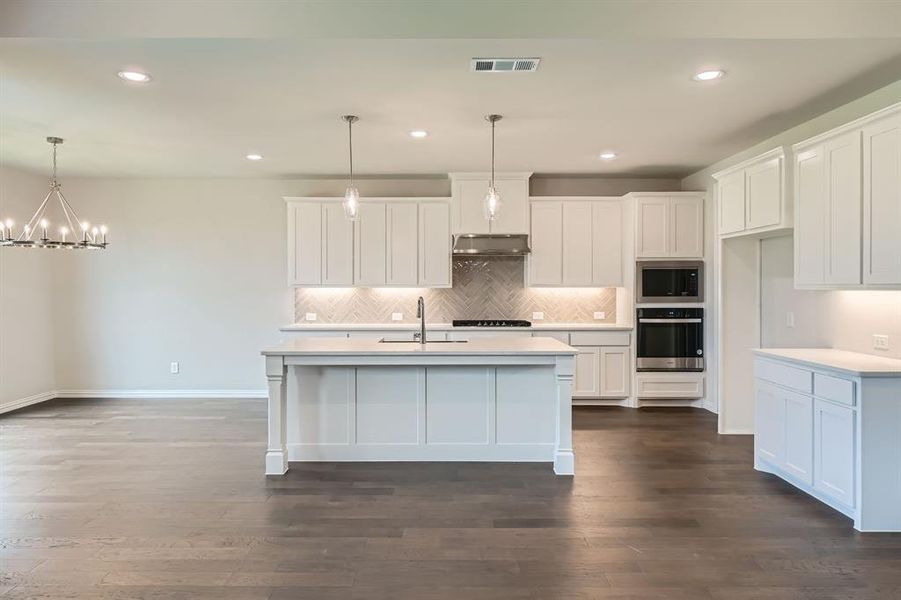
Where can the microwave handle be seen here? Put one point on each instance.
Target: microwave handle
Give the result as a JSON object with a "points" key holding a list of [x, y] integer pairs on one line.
{"points": [[670, 320]]}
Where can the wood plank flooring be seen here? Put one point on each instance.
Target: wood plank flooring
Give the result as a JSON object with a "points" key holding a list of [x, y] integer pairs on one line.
{"points": [[160, 499]]}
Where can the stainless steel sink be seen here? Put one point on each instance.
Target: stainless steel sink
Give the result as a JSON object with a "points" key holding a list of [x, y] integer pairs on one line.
{"points": [[384, 341]]}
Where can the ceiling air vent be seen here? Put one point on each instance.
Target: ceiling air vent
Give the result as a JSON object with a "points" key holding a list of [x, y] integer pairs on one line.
{"points": [[504, 65]]}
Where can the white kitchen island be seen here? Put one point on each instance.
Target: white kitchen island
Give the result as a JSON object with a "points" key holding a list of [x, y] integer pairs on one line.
{"points": [[490, 400]]}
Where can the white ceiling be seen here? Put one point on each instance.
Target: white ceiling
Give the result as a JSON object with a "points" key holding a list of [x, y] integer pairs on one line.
{"points": [[214, 100]]}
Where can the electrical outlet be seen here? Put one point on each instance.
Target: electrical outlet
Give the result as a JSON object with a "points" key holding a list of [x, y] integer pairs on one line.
{"points": [[397, 316], [173, 368], [538, 316], [600, 315], [310, 316], [789, 319], [880, 342]]}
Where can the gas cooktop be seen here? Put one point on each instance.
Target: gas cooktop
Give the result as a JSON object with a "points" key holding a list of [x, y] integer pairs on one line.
{"points": [[490, 323]]}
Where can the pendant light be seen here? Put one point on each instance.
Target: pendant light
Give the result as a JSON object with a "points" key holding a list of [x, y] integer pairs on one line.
{"points": [[351, 194], [84, 237], [492, 204]]}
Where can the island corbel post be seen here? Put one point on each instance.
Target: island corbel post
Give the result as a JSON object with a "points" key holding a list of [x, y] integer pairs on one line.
{"points": [[564, 457], [277, 450]]}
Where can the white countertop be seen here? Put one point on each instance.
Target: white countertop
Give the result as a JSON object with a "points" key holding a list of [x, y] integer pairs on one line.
{"points": [[313, 326], [851, 362], [371, 347]]}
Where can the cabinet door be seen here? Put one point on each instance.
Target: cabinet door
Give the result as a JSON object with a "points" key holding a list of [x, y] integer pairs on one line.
{"points": [[769, 423], [615, 372], [514, 213], [370, 245], [338, 246], [469, 195], [810, 217], [577, 254], [764, 194], [882, 201], [731, 202], [798, 436], [305, 243], [607, 244], [434, 245], [652, 227], [686, 227], [546, 259], [403, 243], [833, 451], [843, 201], [586, 382]]}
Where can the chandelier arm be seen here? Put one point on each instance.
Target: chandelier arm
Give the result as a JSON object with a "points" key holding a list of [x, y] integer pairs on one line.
{"points": [[69, 212], [34, 218]]}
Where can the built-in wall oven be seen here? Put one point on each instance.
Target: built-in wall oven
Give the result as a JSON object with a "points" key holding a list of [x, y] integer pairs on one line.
{"points": [[670, 281], [670, 339]]}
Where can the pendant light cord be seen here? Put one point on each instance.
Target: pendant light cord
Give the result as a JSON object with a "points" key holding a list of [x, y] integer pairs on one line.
{"points": [[350, 148], [492, 154], [53, 175]]}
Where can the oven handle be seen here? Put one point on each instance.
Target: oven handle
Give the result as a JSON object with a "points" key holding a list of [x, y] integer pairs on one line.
{"points": [[670, 320]]}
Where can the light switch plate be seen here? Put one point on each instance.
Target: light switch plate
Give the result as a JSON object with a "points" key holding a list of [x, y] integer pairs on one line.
{"points": [[538, 316], [880, 342], [397, 316], [310, 316], [600, 315], [173, 368], [789, 319]]}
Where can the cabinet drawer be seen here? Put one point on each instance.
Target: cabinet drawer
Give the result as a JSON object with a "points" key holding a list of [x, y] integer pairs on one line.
{"points": [[599, 338], [790, 377], [833, 388], [562, 336], [670, 385]]}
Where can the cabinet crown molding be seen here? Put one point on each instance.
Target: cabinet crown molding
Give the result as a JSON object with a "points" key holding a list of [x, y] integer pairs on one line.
{"points": [[847, 127], [487, 175], [778, 152]]}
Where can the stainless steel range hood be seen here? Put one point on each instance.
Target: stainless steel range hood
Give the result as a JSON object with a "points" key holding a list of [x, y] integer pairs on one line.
{"points": [[491, 244]]}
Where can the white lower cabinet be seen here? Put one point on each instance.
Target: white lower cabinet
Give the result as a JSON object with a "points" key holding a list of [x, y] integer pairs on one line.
{"points": [[616, 372], [669, 385], [587, 380], [833, 435]]}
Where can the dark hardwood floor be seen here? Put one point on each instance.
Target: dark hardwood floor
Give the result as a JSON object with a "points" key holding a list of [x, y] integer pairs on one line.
{"points": [[166, 499]]}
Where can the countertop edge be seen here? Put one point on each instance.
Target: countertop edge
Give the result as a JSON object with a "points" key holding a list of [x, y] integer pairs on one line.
{"points": [[448, 327], [779, 353]]}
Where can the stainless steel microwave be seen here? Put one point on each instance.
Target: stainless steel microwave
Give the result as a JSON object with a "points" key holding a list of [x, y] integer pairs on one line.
{"points": [[669, 281]]}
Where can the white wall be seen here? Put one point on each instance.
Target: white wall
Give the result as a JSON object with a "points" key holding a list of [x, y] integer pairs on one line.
{"points": [[812, 310], [26, 326], [858, 315]]}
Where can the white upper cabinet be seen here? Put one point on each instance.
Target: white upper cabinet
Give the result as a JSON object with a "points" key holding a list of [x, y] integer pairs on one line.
{"points": [[669, 225], [434, 244], [576, 242], [305, 243], [882, 201], [848, 197], [337, 247], [751, 196], [401, 242], [468, 194], [370, 245]]}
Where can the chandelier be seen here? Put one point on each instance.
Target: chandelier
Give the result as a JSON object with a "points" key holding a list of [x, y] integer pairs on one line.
{"points": [[83, 235]]}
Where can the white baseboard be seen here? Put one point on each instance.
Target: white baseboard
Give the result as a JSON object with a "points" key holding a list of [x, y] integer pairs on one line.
{"points": [[27, 401], [125, 394], [151, 394]]}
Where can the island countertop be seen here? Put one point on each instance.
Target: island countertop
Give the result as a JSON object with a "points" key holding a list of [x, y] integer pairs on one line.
{"points": [[370, 347], [314, 326]]}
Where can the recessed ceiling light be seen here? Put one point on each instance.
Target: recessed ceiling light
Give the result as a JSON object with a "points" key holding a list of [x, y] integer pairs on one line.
{"points": [[254, 157], [419, 133], [709, 75], [607, 155], [134, 76]]}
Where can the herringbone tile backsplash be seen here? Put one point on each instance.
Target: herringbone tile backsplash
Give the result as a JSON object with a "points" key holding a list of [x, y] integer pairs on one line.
{"points": [[483, 289]]}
